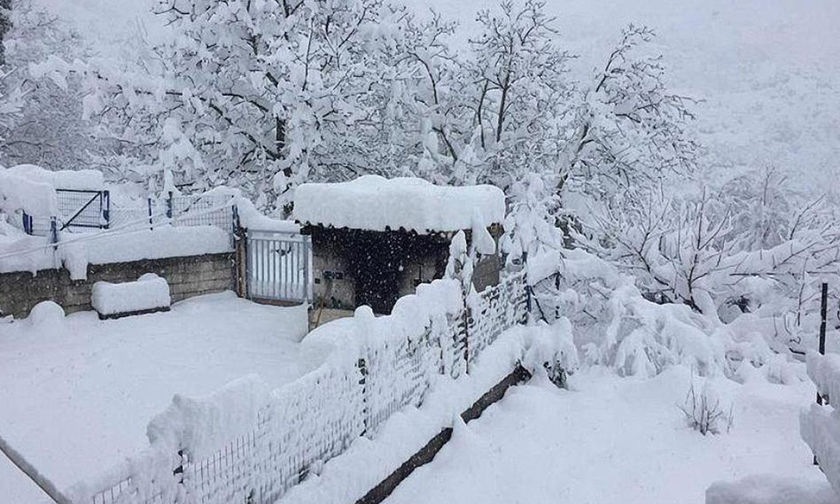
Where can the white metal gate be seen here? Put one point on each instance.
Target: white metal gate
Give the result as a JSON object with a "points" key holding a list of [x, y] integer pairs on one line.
{"points": [[279, 266]]}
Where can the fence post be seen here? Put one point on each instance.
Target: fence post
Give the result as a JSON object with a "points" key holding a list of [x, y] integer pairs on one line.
{"points": [[823, 316], [363, 372], [107, 210], [823, 313], [466, 337], [169, 205], [308, 288], [149, 203], [54, 232], [240, 240]]}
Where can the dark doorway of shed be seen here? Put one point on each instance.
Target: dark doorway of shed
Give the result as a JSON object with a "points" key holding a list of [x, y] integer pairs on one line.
{"points": [[378, 267]]}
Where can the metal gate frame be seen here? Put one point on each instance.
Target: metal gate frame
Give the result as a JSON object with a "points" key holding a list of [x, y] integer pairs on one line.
{"points": [[278, 266]]}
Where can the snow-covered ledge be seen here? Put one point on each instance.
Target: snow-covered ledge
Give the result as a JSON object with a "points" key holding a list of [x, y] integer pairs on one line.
{"points": [[375, 203]]}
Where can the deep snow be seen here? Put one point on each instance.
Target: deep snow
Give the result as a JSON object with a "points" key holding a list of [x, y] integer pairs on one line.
{"points": [[77, 393], [614, 440]]}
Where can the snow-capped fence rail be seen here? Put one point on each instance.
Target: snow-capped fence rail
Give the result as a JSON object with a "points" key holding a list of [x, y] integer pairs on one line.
{"points": [[94, 209], [246, 444]]}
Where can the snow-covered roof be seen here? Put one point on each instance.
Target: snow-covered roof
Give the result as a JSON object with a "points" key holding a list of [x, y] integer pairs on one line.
{"points": [[375, 203]]}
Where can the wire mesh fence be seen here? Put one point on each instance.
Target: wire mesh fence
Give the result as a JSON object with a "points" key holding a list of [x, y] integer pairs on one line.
{"points": [[80, 210], [77, 209], [317, 417]]}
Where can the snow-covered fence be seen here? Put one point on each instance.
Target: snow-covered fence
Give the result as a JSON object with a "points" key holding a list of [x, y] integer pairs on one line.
{"points": [[77, 208], [176, 210], [247, 444], [820, 425], [494, 310]]}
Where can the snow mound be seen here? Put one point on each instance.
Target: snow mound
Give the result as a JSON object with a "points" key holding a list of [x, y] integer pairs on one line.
{"points": [[34, 197], [147, 293], [46, 316], [767, 489], [374, 203], [88, 180]]}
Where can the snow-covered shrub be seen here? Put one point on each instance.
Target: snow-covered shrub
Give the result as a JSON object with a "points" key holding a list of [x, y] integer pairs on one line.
{"points": [[552, 348], [615, 325], [704, 413]]}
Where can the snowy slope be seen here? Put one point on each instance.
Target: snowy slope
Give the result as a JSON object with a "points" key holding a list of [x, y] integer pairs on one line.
{"points": [[543, 445], [767, 70]]}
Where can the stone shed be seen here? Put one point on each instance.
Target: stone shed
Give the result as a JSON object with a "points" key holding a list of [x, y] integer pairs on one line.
{"points": [[375, 239]]}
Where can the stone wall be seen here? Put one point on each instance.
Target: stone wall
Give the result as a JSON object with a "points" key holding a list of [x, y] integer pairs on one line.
{"points": [[187, 277]]}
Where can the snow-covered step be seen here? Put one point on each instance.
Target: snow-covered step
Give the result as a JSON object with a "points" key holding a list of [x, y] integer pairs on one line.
{"points": [[149, 294]]}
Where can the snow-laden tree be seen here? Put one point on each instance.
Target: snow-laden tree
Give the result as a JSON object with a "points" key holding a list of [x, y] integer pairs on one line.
{"points": [[265, 95], [530, 222], [11, 94], [504, 109], [521, 91], [631, 131], [48, 128]]}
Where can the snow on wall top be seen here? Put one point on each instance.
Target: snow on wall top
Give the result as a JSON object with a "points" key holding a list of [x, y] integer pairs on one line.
{"points": [[22, 193], [375, 203], [91, 180]]}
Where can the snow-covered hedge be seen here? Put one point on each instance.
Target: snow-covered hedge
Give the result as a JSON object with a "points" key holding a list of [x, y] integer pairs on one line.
{"points": [[149, 292]]}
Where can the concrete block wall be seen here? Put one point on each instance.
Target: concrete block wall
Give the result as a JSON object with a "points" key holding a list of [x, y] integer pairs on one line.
{"points": [[187, 277]]}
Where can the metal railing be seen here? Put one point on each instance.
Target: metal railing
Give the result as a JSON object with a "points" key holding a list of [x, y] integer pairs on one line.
{"points": [[279, 266]]}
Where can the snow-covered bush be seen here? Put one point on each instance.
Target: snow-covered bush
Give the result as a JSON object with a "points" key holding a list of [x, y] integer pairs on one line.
{"points": [[704, 412], [615, 325], [552, 348]]}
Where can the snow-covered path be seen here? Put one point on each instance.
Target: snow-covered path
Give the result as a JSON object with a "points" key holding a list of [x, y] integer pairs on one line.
{"points": [[612, 440], [76, 394]]}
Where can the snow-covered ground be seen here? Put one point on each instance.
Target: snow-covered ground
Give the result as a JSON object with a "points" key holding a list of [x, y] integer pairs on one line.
{"points": [[76, 393], [614, 440]]}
